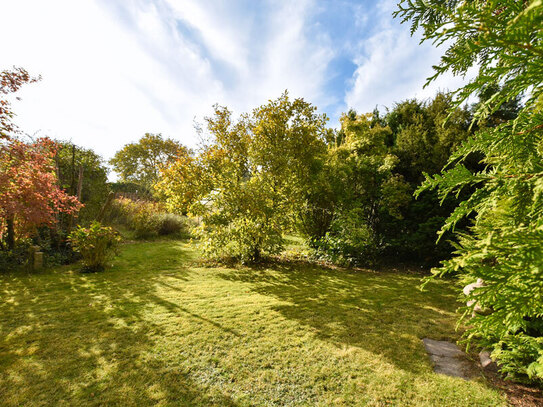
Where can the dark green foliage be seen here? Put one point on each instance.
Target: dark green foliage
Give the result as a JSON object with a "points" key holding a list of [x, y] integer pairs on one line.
{"points": [[504, 40], [361, 207], [17, 258], [172, 224], [72, 159], [53, 242], [423, 142], [412, 238], [349, 241], [357, 189]]}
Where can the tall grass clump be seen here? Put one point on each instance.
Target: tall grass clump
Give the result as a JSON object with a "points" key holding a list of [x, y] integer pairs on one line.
{"points": [[146, 218]]}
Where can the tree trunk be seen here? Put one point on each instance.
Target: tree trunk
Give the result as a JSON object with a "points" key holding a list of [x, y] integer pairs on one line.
{"points": [[79, 189], [109, 199], [10, 234], [256, 254]]}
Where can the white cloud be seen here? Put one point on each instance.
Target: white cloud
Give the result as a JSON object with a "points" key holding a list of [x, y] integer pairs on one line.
{"points": [[290, 60], [101, 87], [115, 69], [393, 66], [224, 34]]}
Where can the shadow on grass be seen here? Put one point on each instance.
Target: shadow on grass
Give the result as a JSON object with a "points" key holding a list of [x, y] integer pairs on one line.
{"points": [[68, 338], [382, 312]]}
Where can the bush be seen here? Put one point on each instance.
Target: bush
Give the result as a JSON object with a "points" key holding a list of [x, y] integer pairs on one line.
{"points": [[54, 244], [16, 258], [170, 223], [138, 216], [245, 240], [145, 218], [349, 242], [97, 244]]}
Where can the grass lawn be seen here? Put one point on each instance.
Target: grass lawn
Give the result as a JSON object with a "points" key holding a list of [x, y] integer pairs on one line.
{"points": [[157, 329]]}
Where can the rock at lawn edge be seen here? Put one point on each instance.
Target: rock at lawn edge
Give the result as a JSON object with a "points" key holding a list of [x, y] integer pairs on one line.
{"points": [[486, 362], [448, 359]]}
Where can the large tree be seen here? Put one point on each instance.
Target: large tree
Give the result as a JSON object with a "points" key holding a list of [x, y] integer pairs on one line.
{"points": [[423, 140], [140, 162], [249, 182], [503, 39], [361, 188], [29, 192]]}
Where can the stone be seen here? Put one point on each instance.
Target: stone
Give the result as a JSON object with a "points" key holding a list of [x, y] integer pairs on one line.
{"points": [[38, 261], [477, 309], [448, 359], [484, 357], [486, 362], [470, 287]]}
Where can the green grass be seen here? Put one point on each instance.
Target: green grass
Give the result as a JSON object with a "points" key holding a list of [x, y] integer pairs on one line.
{"points": [[157, 329]]}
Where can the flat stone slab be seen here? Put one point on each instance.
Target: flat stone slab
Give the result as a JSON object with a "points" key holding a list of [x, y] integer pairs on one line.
{"points": [[448, 359]]}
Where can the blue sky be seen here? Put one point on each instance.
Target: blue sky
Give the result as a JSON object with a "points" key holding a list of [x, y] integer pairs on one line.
{"points": [[115, 69]]}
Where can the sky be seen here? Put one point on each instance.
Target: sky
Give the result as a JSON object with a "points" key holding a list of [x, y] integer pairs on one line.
{"points": [[113, 70]]}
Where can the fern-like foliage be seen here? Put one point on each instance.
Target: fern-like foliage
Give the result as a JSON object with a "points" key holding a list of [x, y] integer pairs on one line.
{"points": [[503, 41]]}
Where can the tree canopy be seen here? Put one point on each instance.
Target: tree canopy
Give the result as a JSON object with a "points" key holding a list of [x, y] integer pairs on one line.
{"points": [[248, 182], [140, 162], [10, 82]]}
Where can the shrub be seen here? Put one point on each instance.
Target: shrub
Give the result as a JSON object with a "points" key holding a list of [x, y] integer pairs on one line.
{"points": [[97, 244], [16, 258], [170, 223], [349, 242], [146, 218], [244, 240], [55, 246], [143, 219], [138, 216]]}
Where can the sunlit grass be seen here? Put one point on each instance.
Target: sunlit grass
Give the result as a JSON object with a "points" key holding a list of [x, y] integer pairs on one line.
{"points": [[157, 329]]}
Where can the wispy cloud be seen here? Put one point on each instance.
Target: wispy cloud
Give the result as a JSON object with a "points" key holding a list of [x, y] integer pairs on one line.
{"points": [[114, 69]]}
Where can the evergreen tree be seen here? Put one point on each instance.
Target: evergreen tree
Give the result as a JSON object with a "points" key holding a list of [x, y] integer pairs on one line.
{"points": [[504, 40]]}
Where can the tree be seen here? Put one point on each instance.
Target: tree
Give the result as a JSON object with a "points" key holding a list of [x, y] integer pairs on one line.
{"points": [[141, 162], [504, 40], [249, 183], [362, 188], [74, 162], [422, 140], [10, 82], [29, 192]]}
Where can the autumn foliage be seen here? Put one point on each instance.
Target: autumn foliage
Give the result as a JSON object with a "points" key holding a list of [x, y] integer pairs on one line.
{"points": [[29, 191]]}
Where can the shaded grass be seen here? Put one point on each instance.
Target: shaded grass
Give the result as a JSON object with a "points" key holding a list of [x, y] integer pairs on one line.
{"points": [[157, 329]]}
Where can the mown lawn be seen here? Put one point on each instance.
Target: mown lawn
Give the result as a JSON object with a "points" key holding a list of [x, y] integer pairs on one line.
{"points": [[157, 329]]}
